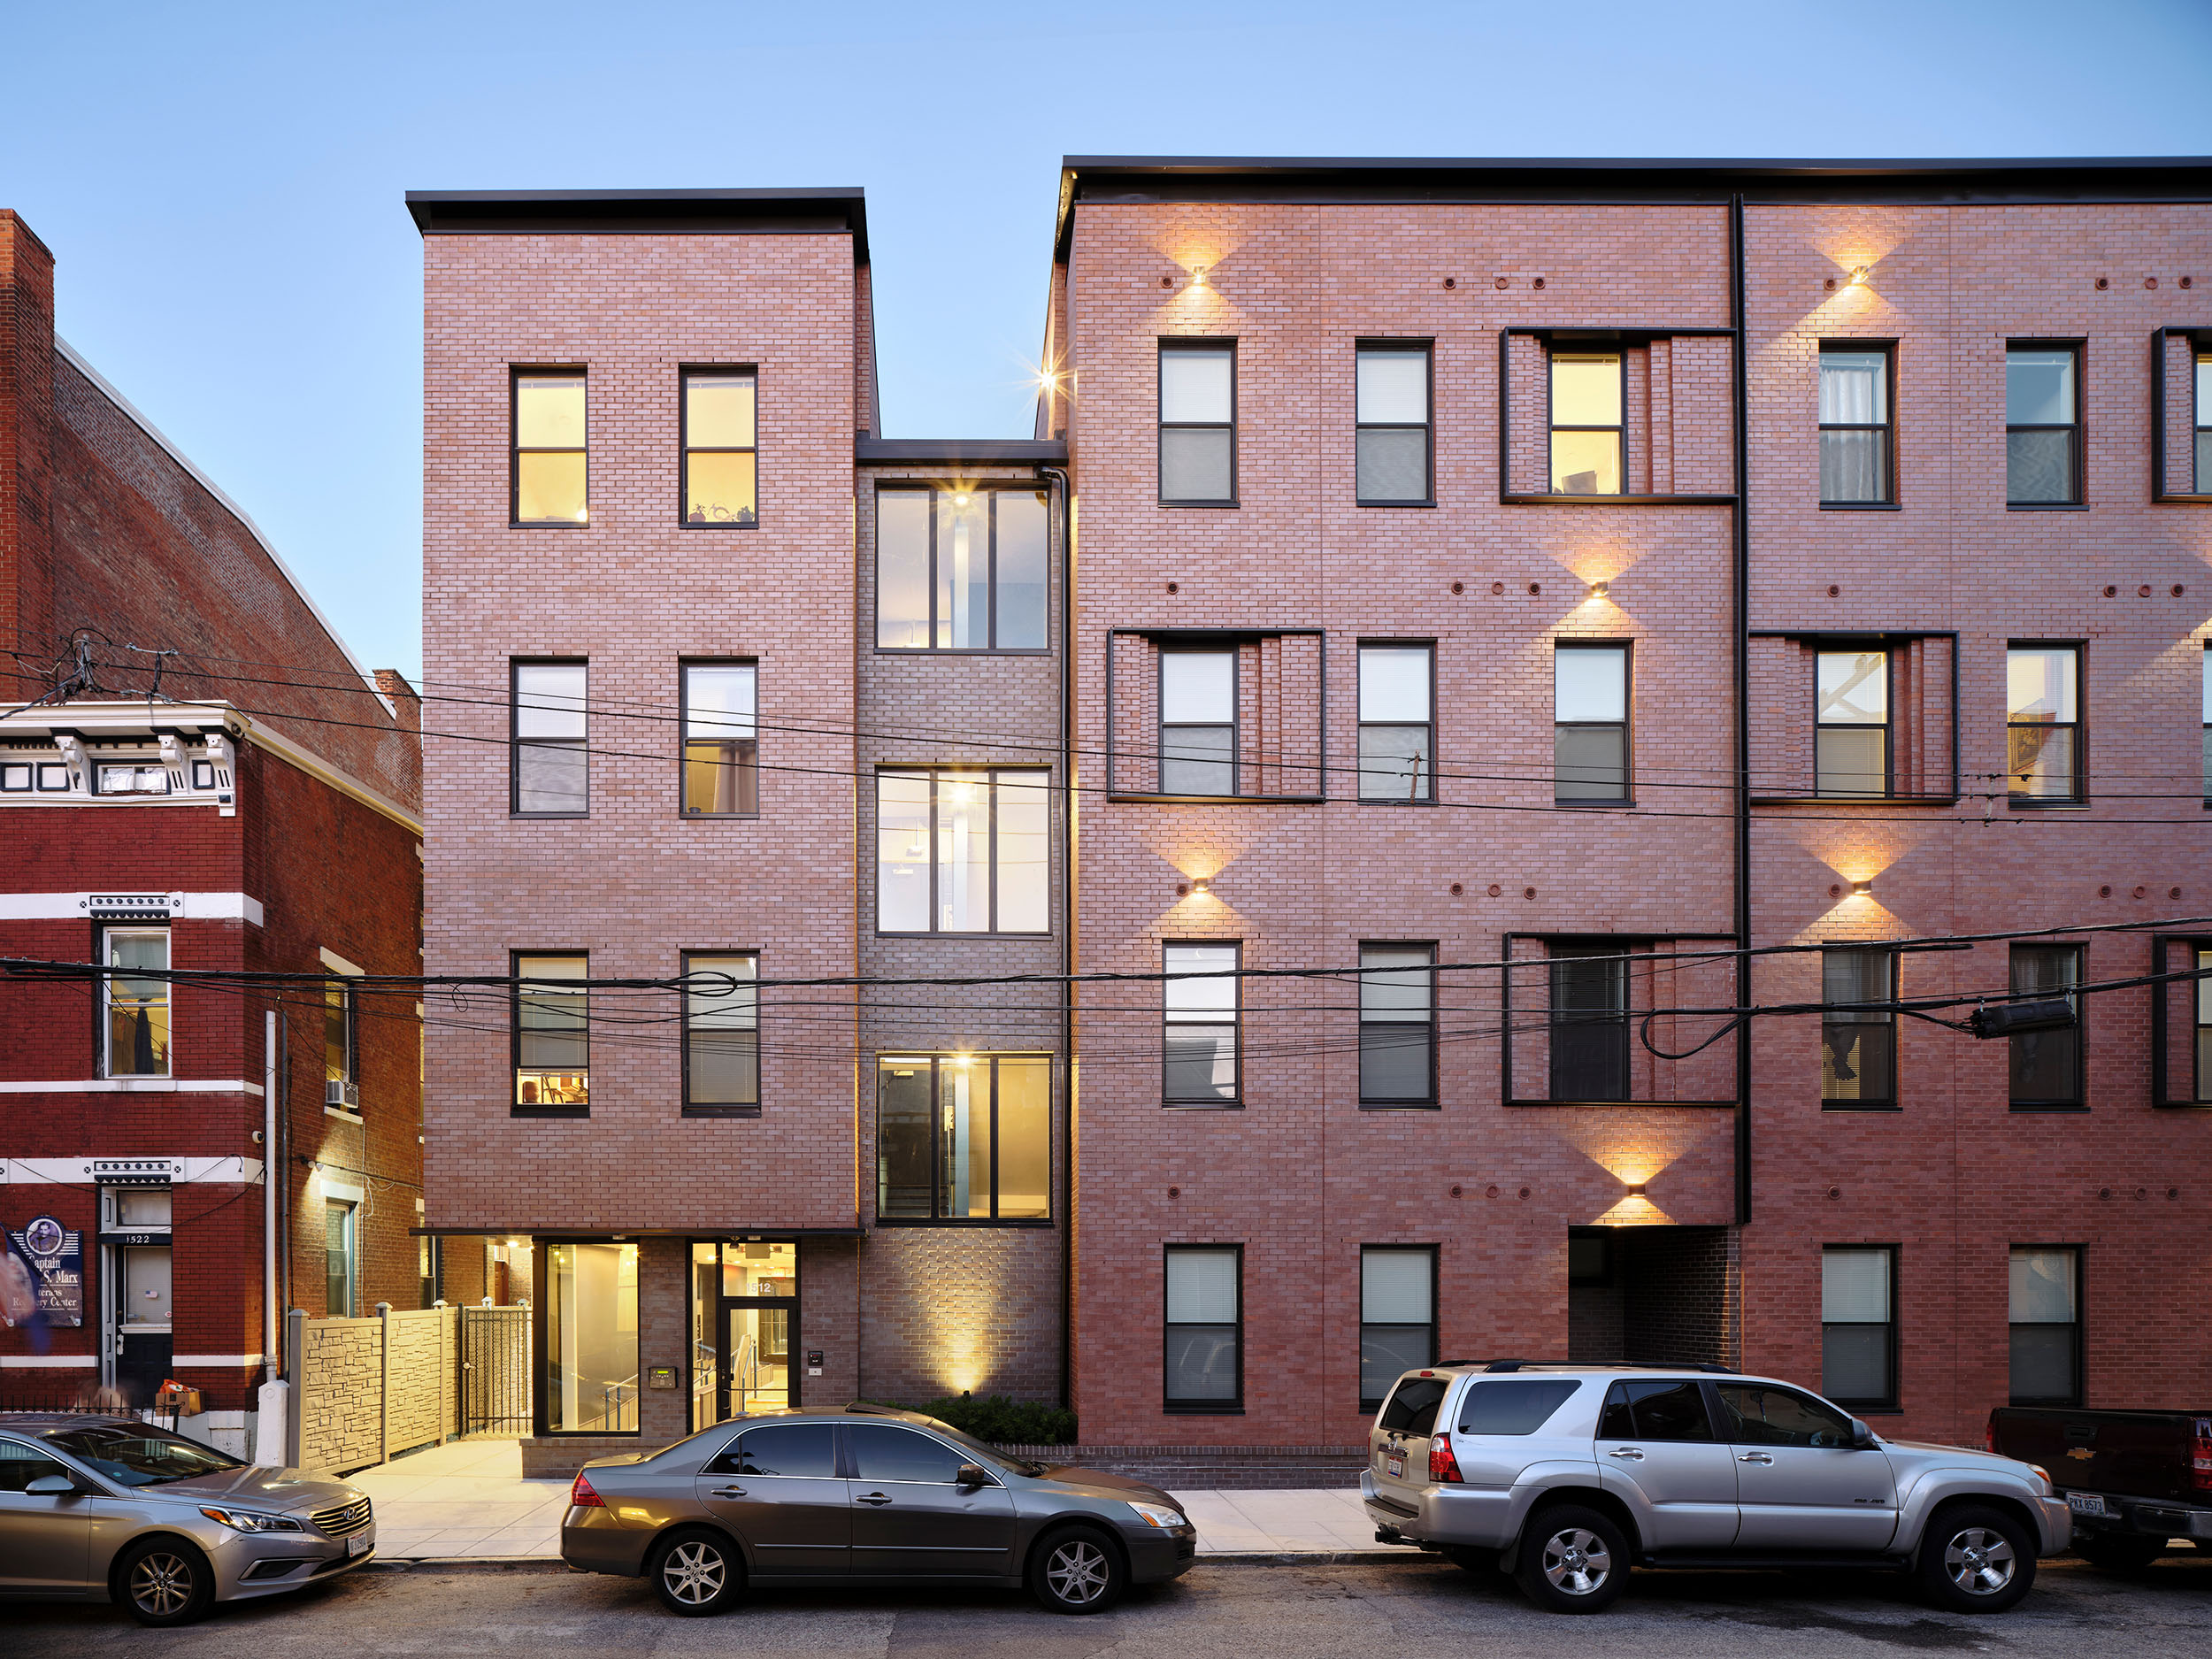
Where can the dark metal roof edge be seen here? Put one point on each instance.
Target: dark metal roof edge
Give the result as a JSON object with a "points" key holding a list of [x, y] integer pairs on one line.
{"points": [[1702, 179], [868, 451], [847, 201]]}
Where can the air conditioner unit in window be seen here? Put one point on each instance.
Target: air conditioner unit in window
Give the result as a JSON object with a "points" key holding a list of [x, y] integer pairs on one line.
{"points": [[340, 1094]]}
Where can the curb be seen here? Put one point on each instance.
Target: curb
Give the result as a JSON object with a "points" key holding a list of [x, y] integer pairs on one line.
{"points": [[1222, 1558]]}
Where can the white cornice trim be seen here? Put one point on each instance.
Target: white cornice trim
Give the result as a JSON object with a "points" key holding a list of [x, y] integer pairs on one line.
{"points": [[135, 1085], [197, 907], [48, 1362], [84, 1172], [108, 391]]}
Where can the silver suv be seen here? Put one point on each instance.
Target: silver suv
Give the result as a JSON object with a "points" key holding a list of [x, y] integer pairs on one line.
{"points": [[1564, 1475]]}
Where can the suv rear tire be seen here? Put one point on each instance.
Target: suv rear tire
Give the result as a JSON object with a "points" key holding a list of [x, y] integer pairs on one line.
{"points": [[1077, 1570], [1572, 1560], [1976, 1559], [697, 1573]]}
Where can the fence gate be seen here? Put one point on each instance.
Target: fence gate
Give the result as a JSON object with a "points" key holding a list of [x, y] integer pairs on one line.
{"points": [[495, 1371]]}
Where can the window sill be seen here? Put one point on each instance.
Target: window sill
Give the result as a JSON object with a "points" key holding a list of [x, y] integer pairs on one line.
{"points": [[548, 524], [1400, 1106], [1854, 800], [2020, 1110], [712, 817], [1609, 1105], [1383, 800], [1862, 506], [342, 1114], [943, 934], [686, 524], [2054, 803], [546, 817], [2046, 506], [1231, 502], [1033, 1223], [1849, 1107], [963, 650], [721, 1112], [549, 1112], [1582, 803], [1429, 503], [1861, 1409], [1201, 1105], [1131, 797], [1546, 498], [1203, 1410]]}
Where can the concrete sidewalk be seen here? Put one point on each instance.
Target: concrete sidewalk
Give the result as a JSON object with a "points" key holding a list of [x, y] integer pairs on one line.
{"points": [[468, 1500]]}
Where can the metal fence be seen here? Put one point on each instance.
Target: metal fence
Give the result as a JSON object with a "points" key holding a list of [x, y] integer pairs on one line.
{"points": [[495, 1371]]}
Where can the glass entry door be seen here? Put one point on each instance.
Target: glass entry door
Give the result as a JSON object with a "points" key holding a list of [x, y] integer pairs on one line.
{"points": [[757, 1340], [745, 1329]]}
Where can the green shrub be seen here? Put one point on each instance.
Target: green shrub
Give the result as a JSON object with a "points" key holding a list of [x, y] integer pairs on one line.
{"points": [[1002, 1420]]}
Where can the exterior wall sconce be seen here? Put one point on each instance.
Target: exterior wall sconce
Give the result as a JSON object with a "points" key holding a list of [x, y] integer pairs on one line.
{"points": [[1862, 889], [1600, 590], [1198, 276], [1196, 885], [1636, 1191], [1858, 276]]}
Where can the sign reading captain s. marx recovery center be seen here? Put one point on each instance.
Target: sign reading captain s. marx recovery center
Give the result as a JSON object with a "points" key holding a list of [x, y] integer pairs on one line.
{"points": [[54, 1256]]}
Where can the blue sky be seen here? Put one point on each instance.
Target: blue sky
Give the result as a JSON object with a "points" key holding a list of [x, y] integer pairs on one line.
{"points": [[221, 184]]}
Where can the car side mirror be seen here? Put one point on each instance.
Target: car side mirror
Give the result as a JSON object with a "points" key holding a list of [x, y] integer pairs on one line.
{"points": [[51, 1487], [971, 1476], [1861, 1436]]}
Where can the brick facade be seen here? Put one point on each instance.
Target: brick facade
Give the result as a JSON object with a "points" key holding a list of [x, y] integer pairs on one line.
{"points": [[309, 844]]}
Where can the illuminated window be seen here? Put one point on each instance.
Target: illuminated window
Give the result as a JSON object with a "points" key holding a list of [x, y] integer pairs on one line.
{"points": [[1856, 439], [340, 1259], [549, 766], [1851, 723], [721, 769], [137, 1025], [963, 852], [1397, 1025], [964, 1137], [591, 1339], [1586, 397], [1198, 432], [721, 489], [552, 1036], [1397, 742], [1858, 1046], [1199, 1063], [721, 1035], [1589, 722], [1393, 438], [548, 448], [2042, 425], [961, 570], [2043, 734], [341, 1081]]}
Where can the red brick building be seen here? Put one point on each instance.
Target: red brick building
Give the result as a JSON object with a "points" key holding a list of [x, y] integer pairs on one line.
{"points": [[195, 778], [1459, 635]]}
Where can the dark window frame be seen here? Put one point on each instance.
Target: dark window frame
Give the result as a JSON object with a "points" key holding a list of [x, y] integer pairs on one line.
{"points": [[1426, 346], [1585, 949], [347, 986], [1235, 1103], [2205, 671], [735, 1110], [516, 374], [1554, 350], [1196, 343], [1626, 723], [2079, 1099], [991, 774], [541, 1351], [1428, 795], [1891, 1398], [684, 451], [1233, 650], [2077, 498], [1891, 499], [2079, 794], [991, 486], [514, 1108], [516, 743], [1169, 1404], [2201, 420], [936, 1059], [1431, 1100], [1823, 647], [1862, 1021], [2079, 1326], [1435, 1252], [684, 740]]}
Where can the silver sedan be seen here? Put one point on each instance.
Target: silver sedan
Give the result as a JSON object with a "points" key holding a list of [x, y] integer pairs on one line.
{"points": [[93, 1506]]}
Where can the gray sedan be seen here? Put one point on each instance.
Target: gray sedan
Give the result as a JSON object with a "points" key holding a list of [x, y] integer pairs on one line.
{"points": [[867, 1495], [96, 1505]]}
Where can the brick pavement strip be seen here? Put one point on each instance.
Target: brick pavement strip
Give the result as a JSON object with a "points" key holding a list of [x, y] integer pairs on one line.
{"points": [[1413, 1609]]}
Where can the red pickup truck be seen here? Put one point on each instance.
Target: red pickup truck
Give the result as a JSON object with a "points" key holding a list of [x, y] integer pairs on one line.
{"points": [[2134, 1480]]}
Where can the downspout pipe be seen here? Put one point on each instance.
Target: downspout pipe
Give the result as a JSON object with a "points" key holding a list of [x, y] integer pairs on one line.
{"points": [[1741, 584], [271, 1359], [1065, 490]]}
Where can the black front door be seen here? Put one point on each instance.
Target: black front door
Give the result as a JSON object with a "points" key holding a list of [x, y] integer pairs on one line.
{"points": [[144, 1345]]}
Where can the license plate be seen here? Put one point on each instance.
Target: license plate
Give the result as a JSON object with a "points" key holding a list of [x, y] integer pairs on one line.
{"points": [[2084, 1503], [1395, 1465], [358, 1545]]}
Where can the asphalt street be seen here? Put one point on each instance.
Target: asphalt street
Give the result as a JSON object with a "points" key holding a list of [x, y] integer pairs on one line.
{"points": [[1406, 1611]]}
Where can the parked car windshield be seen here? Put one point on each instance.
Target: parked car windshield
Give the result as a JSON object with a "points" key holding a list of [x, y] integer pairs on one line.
{"points": [[140, 1457]]}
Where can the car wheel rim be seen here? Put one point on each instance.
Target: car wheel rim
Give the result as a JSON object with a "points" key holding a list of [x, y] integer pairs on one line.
{"points": [[693, 1573], [162, 1584], [1077, 1572], [1577, 1562], [1979, 1561]]}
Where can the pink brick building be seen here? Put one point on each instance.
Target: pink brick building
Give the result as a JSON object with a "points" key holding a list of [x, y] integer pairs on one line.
{"points": [[1447, 615]]}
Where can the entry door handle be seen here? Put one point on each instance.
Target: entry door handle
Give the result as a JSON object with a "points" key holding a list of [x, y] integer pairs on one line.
{"points": [[1626, 1453], [727, 1492], [872, 1497], [1755, 1458]]}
